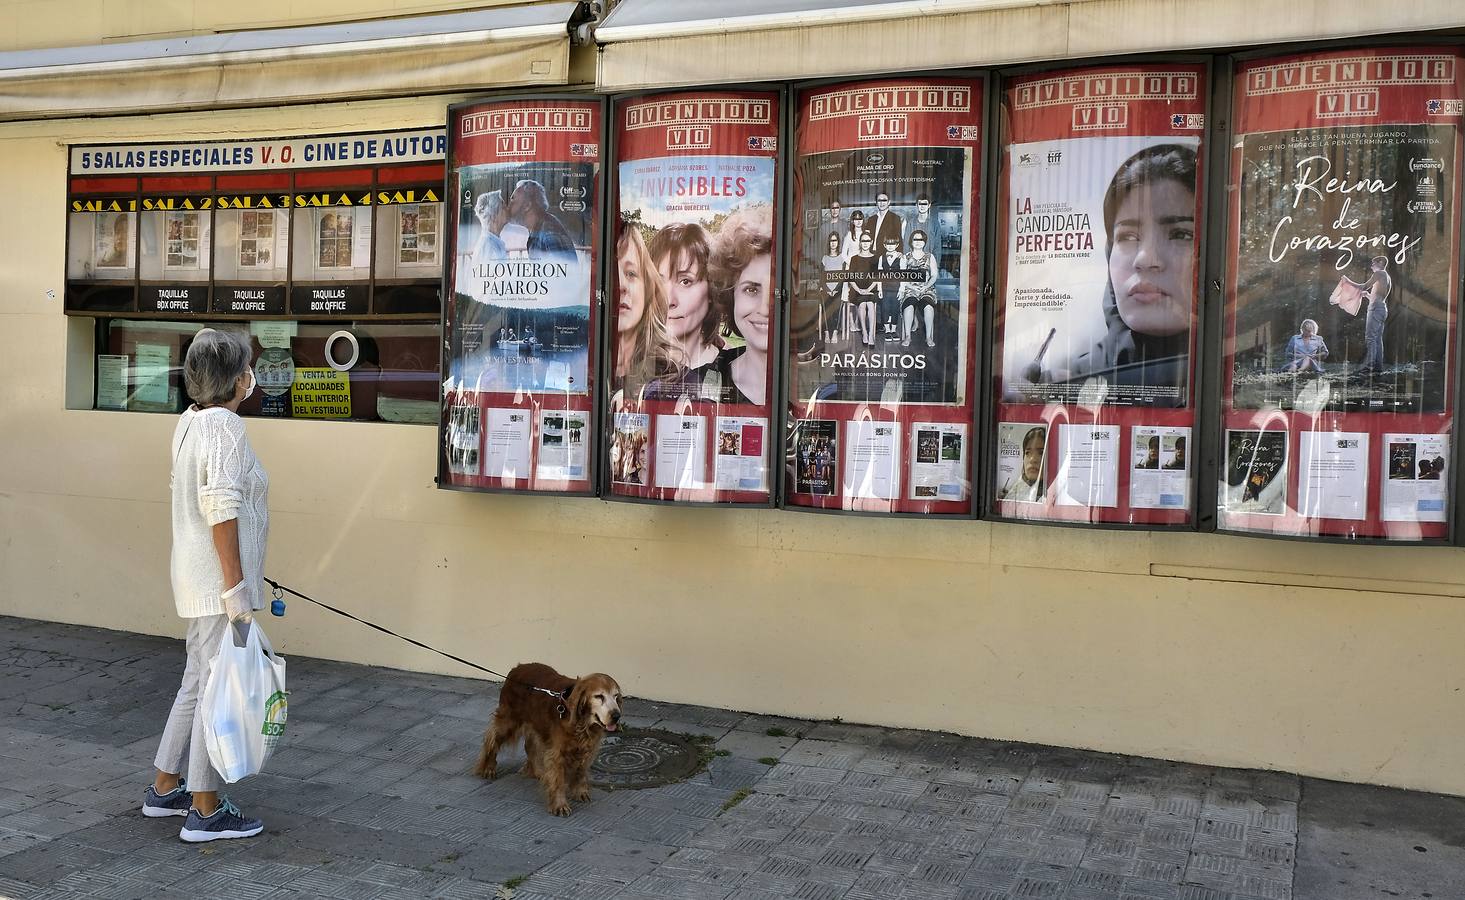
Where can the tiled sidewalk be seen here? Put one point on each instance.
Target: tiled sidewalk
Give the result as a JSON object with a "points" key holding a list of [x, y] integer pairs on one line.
{"points": [[372, 798]]}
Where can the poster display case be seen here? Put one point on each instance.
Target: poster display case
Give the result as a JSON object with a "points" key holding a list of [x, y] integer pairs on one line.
{"points": [[1339, 366], [884, 311], [408, 270], [251, 243], [101, 244], [175, 244], [693, 326], [1101, 196], [331, 225], [519, 372]]}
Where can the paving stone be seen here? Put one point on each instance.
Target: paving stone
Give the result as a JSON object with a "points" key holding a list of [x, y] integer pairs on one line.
{"points": [[371, 797]]}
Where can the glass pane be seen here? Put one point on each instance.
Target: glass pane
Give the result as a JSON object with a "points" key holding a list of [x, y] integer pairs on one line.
{"points": [[1338, 376], [694, 276], [521, 325], [305, 370], [1101, 191]]}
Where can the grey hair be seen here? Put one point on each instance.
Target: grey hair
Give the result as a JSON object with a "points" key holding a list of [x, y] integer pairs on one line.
{"points": [[489, 204], [215, 361]]}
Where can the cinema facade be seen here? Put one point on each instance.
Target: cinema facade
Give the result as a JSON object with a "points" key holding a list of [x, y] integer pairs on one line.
{"points": [[1080, 374]]}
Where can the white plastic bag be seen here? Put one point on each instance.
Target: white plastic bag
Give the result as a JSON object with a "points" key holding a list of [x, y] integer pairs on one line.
{"points": [[245, 703]]}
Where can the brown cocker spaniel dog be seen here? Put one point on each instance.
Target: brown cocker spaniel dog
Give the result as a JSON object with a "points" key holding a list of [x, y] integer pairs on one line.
{"points": [[562, 721]]}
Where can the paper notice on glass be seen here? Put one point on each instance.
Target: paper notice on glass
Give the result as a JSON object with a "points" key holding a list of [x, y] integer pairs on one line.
{"points": [[681, 452], [629, 448], [150, 374], [273, 334], [739, 462], [506, 449], [1256, 472], [1333, 474], [562, 445], [361, 238], [111, 381], [1415, 480], [938, 461], [1022, 466], [872, 460], [1159, 474], [1088, 467], [282, 238]]}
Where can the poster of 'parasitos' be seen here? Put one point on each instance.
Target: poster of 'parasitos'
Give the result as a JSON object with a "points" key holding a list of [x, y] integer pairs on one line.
{"points": [[884, 308], [693, 322], [1101, 192], [525, 176], [1341, 295]]}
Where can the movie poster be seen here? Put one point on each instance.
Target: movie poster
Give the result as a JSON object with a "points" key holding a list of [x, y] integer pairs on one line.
{"points": [[1344, 266], [693, 321], [523, 232], [884, 304], [1022, 463], [1103, 174], [1414, 488], [1256, 472], [1342, 286]]}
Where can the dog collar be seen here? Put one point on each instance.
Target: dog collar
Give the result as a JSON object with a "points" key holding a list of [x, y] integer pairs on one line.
{"points": [[558, 695]]}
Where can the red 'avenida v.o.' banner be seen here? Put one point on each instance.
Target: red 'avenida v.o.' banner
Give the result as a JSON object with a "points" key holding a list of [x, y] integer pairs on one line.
{"points": [[520, 324], [1094, 373], [1339, 369], [884, 309], [693, 315]]}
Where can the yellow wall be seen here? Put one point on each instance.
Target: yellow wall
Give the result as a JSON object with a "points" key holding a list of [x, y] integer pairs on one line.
{"points": [[1346, 665], [32, 24]]}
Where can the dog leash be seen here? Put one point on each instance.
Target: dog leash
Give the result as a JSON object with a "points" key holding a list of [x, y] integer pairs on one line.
{"points": [[280, 590]]}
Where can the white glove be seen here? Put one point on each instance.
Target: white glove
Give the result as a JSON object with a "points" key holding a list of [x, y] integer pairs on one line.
{"points": [[239, 602]]}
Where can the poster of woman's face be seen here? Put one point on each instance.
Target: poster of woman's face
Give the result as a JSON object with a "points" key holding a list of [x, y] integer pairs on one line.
{"points": [[694, 280], [1102, 242]]}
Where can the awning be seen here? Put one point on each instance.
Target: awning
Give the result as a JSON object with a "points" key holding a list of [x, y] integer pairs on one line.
{"points": [[666, 43], [500, 47]]}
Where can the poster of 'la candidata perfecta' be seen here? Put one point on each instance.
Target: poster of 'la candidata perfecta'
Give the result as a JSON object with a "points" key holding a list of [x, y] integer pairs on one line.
{"points": [[1101, 193]]}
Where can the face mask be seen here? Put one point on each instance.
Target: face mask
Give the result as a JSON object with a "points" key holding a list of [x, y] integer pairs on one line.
{"points": [[250, 390]]}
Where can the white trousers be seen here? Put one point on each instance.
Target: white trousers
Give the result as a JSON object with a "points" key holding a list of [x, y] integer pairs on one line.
{"points": [[183, 735]]}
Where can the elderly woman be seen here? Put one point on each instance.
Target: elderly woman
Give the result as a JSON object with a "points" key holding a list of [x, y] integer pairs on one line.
{"points": [[220, 523]]}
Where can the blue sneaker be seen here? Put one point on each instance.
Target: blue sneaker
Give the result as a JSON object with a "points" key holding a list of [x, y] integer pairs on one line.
{"points": [[226, 822], [174, 803]]}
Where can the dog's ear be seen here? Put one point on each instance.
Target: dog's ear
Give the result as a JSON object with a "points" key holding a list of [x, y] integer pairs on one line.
{"points": [[579, 701]]}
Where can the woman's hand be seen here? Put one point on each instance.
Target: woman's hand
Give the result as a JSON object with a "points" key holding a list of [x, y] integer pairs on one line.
{"points": [[239, 602]]}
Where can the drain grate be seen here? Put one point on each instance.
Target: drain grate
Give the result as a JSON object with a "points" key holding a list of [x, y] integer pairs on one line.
{"points": [[644, 758]]}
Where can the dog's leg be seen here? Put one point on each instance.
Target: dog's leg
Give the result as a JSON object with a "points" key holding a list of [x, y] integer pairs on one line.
{"points": [[532, 751], [580, 783], [552, 776], [499, 732]]}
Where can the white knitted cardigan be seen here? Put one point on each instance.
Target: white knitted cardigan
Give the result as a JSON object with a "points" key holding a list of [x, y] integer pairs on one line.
{"points": [[216, 477]]}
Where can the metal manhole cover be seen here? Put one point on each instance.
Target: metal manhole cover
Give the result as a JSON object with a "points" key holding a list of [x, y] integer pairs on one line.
{"points": [[644, 758]]}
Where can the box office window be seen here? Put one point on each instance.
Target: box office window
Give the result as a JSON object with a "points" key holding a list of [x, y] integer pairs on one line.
{"points": [[363, 371], [279, 236]]}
